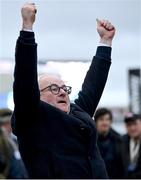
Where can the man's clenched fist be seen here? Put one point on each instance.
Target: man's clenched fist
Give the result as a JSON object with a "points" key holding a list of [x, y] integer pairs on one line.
{"points": [[106, 31], [28, 14]]}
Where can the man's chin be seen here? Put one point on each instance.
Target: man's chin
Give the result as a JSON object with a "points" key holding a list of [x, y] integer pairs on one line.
{"points": [[104, 131], [63, 107]]}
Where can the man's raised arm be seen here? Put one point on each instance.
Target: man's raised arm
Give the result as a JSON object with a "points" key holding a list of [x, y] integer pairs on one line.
{"points": [[26, 91], [97, 74]]}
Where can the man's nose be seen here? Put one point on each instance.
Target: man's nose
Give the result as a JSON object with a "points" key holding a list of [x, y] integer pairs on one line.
{"points": [[62, 92]]}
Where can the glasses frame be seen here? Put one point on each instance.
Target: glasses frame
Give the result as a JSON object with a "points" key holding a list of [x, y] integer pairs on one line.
{"points": [[68, 91]]}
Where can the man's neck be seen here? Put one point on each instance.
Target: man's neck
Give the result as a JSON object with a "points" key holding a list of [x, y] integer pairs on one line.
{"points": [[104, 133], [136, 139]]}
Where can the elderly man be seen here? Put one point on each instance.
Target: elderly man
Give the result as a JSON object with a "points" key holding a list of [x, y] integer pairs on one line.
{"points": [[58, 139]]}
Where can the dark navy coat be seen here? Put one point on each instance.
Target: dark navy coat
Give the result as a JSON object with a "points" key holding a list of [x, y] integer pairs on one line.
{"points": [[134, 173], [111, 149], [54, 144]]}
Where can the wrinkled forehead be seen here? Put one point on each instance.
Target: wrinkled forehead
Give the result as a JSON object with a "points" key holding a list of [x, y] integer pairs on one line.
{"points": [[47, 80]]}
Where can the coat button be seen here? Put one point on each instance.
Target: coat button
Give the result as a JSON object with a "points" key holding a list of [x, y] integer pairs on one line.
{"points": [[89, 157], [82, 128]]}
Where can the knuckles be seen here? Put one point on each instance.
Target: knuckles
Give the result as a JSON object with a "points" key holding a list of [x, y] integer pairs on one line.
{"points": [[29, 8]]}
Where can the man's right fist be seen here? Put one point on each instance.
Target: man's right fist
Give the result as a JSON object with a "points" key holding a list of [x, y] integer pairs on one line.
{"points": [[28, 12]]}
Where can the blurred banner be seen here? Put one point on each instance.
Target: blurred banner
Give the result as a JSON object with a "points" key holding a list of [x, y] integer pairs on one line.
{"points": [[134, 81]]}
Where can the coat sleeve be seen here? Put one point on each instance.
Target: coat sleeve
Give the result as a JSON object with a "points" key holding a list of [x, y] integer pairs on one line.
{"points": [[25, 87], [95, 80]]}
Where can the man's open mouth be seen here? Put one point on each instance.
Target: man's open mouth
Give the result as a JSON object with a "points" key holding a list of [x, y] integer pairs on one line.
{"points": [[62, 102]]}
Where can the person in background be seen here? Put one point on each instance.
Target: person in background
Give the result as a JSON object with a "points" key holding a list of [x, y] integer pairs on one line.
{"points": [[5, 122], [110, 144], [11, 166], [132, 144], [9, 145]]}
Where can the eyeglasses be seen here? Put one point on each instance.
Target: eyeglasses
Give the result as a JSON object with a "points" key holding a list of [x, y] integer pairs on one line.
{"points": [[55, 89]]}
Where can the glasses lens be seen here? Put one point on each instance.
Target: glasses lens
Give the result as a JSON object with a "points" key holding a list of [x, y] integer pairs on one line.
{"points": [[54, 89], [67, 89]]}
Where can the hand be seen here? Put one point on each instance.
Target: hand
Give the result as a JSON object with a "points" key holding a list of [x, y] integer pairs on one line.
{"points": [[28, 12], [106, 31]]}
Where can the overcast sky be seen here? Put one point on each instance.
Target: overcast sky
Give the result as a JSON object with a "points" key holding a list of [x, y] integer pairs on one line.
{"points": [[66, 29]]}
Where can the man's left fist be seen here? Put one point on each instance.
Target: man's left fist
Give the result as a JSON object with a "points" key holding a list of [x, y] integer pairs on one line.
{"points": [[106, 31]]}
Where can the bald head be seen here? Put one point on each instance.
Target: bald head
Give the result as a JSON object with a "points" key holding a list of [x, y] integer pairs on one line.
{"points": [[60, 100]]}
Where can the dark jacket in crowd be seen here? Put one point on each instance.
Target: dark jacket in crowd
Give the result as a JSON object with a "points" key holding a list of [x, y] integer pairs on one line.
{"points": [[14, 169], [17, 168], [111, 149], [129, 172], [11, 164], [54, 144]]}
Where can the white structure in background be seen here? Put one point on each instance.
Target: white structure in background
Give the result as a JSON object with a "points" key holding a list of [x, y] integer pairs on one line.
{"points": [[73, 73]]}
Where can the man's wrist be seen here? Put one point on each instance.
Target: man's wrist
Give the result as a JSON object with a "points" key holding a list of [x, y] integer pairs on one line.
{"points": [[106, 45], [106, 42], [27, 27], [28, 30]]}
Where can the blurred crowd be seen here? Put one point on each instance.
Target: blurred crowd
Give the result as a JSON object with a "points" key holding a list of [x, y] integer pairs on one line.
{"points": [[11, 164], [121, 154]]}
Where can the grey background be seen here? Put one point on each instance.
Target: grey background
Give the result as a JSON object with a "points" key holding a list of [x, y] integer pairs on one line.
{"points": [[66, 30]]}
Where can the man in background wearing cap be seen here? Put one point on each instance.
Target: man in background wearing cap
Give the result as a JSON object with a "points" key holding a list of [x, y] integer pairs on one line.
{"points": [[132, 142]]}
